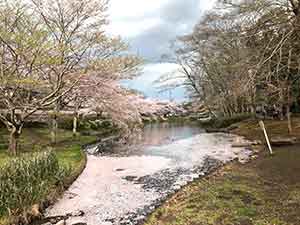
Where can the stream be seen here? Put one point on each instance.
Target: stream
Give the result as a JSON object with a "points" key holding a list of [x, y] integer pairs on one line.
{"points": [[123, 187]]}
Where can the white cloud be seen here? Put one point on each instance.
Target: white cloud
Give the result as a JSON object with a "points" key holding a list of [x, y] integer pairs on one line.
{"points": [[128, 9], [150, 74], [149, 26], [129, 29], [153, 71], [129, 18]]}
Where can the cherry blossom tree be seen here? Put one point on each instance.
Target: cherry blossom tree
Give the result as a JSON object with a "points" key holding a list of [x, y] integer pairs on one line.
{"points": [[47, 48]]}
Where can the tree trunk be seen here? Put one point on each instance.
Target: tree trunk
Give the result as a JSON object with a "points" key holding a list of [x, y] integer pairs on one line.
{"points": [[54, 129], [288, 112], [252, 110], [289, 119], [75, 123], [281, 113], [253, 100], [75, 119], [282, 103], [15, 133], [54, 124]]}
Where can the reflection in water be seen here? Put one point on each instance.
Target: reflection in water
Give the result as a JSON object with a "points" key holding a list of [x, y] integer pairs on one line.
{"points": [[186, 145], [124, 188], [192, 151], [157, 134], [161, 133]]}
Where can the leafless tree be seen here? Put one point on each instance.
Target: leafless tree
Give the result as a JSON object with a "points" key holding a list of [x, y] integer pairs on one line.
{"points": [[245, 54]]}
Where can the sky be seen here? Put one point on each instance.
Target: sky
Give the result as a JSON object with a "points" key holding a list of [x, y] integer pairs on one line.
{"points": [[149, 26], [151, 73]]}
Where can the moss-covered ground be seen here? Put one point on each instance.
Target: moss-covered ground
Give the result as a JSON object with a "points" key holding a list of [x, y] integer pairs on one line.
{"points": [[265, 191]]}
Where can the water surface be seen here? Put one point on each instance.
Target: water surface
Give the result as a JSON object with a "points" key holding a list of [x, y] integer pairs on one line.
{"points": [[123, 189]]}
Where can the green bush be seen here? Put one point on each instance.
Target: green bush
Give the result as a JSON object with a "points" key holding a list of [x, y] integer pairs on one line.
{"points": [[65, 122], [96, 125], [26, 180], [223, 122]]}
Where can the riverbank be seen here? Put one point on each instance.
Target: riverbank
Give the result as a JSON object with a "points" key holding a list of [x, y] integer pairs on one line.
{"points": [[137, 179], [68, 151], [263, 192]]}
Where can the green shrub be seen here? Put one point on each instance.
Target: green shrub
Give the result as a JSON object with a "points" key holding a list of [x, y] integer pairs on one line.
{"points": [[96, 125], [65, 122], [26, 180], [223, 122]]}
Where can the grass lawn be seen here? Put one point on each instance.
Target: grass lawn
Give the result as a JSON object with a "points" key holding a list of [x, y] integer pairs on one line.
{"points": [[263, 192], [68, 148], [68, 151]]}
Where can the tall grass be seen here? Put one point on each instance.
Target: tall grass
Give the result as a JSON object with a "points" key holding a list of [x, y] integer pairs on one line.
{"points": [[24, 181]]}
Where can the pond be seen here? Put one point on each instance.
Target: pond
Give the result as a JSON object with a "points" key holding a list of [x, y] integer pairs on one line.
{"points": [[124, 188]]}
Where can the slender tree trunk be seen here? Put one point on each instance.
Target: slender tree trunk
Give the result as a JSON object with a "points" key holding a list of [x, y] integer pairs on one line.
{"points": [[252, 110], [288, 112], [289, 119], [281, 112], [54, 123], [289, 102], [75, 122], [253, 100], [54, 126], [15, 133]]}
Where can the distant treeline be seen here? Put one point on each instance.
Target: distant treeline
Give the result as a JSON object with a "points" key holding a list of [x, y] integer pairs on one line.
{"points": [[244, 57]]}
